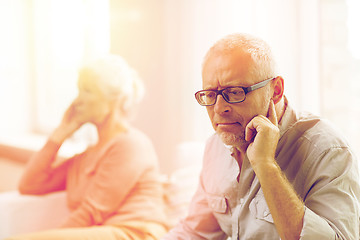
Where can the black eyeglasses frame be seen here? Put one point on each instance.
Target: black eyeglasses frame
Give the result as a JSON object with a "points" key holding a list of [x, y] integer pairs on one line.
{"points": [[245, 89]]}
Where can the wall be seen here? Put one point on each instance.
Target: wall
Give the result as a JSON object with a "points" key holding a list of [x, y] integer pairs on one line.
{"points": [[340, 68]]}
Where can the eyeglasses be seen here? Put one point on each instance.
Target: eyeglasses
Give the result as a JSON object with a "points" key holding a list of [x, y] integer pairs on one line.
{"points": [[230, 94]]}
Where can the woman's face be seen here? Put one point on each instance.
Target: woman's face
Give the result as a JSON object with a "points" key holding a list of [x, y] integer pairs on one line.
{"points": [[90, 104]]}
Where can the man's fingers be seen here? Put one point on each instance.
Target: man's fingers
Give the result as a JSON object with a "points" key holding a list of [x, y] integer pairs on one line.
{"points": [[252, 127], [259, 122], [272, 113], [250, 132]]}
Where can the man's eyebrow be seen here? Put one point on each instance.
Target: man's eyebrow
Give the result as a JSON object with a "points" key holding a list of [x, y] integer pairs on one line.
{"points": [[210, 89], [231, 86]]}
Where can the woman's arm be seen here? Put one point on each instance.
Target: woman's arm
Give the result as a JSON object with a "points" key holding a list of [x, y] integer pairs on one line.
{"points": [[40, 177], [17, 154]]}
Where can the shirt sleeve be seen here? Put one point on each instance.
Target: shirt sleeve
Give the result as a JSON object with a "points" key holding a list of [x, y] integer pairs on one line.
{"points": [[115, 177], [332, 201]]}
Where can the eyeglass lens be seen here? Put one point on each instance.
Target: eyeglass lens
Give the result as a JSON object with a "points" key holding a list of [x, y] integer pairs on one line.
{"points": [[231, 95]]}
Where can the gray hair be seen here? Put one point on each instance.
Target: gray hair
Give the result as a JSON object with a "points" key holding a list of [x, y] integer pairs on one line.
{"points": [[115, 79], [264, 62]]}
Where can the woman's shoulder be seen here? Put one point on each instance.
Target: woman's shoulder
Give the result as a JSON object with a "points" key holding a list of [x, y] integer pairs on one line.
{"points": [[132, 141], [132, 136]]}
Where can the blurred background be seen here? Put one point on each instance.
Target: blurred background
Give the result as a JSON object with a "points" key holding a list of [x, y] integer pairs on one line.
{"points": [[43, 43]]}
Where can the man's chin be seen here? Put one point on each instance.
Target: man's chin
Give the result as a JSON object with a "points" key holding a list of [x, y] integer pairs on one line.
{"points": [[233, 140]]}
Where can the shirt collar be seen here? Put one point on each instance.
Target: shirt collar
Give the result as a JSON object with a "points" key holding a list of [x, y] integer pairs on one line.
{"points": [[288, 119]]}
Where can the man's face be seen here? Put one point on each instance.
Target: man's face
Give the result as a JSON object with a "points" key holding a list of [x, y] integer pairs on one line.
{"points": [[229, 120]]}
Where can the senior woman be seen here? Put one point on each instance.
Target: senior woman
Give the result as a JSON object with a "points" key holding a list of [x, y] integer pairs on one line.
{"points": [[112, 188]]}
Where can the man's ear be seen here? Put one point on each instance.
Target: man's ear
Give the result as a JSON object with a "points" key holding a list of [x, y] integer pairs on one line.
{"points": [[278, 85]]}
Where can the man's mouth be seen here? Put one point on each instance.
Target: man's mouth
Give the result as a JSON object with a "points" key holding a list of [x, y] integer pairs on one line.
{"points": [[227, 125]]}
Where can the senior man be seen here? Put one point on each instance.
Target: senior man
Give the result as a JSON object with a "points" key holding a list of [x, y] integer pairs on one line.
{"points": [[269, 172]]}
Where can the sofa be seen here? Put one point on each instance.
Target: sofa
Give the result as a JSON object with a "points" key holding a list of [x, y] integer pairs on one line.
{"points": [[21, 214]]}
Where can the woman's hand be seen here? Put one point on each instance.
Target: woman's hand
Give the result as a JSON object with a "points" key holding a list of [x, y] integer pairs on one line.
{"points": [[72, 120]]}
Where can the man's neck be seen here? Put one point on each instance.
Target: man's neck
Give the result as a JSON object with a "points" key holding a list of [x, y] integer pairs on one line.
{"points": [[238, 155]]}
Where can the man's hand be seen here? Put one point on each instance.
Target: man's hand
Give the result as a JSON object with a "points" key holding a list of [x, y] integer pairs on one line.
{"points": [[265, 134]]}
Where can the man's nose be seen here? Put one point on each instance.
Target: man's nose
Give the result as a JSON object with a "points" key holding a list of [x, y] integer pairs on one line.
{"points": [[221, 106]]}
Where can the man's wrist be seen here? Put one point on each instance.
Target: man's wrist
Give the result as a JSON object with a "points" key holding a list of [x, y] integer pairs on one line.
{"points": [[266, 167]]}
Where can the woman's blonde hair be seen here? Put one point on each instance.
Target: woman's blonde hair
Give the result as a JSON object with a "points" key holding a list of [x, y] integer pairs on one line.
{"points": [[115, 80]]}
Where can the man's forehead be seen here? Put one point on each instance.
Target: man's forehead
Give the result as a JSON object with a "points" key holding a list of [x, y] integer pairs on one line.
{"points": [[238, 58], [223, 83], [227, 70]]}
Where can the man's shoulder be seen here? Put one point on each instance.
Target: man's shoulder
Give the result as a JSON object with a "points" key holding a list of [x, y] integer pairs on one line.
{"points": [[319, 131], [311, 145], [309, 136], [307, 128]]}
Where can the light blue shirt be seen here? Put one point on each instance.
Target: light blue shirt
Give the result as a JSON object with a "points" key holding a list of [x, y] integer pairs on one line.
{"points": [[317, 162]]}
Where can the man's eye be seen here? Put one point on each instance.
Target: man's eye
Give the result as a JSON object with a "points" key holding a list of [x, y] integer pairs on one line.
{"points": [[210, 94], [234, 92]]}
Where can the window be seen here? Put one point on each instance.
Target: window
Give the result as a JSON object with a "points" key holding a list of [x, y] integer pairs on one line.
{"points": [[353, 20], [45, 44]]}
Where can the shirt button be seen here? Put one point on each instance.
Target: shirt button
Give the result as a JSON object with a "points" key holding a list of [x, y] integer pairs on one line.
{"points": [[266, 213]]}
